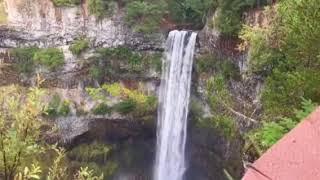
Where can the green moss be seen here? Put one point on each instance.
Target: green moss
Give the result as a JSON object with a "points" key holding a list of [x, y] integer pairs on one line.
{"points": [[145, 16], [229, 15], [96, 72], [28, 58], [133, 61], [155, 61], [263, 55], [117, 62], [223, 123], [101, 8], [64, 108], [218, 94], [226, 125], [51, 58], [190, 11], [108, 169], [79, 46], [126, 106], [146, 108], [220, 101], [57, 107], [196, 110], [24, 59], [53, 106], [102, 109], [66, 2], [95, 151], [132, 102], [114, 89], [208, 64]]}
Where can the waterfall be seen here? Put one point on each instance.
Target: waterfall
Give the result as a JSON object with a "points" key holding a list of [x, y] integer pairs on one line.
{"points": [[173, 106]]}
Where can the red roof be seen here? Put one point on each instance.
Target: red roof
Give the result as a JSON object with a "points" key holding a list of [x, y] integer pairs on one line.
{"points": [[295, 157]]}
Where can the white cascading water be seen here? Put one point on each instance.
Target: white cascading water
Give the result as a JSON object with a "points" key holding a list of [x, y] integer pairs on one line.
{"points": [[173, 106]]}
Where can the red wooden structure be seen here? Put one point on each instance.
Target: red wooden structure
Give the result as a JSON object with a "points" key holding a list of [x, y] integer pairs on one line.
{"points": [[295, 157]]}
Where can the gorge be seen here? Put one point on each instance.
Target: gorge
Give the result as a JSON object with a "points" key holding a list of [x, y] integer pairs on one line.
{"points": [[145, 89], [103, 99]]}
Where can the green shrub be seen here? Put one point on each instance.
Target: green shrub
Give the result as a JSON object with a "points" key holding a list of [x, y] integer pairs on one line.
{"points": [[115, 62], [151, 103], [107, 169], [229, 15], [121, 60], [133, 102], [209, 65], [96, 156], [218, 94], [79, 46], [143, 104], [263, 56], [102, 109], [52, 58], [66, 2], [24, 59], [126, 106], [196, 110], [221, 104], [228, 22], [90, 152], [206, 64], [146, 108], [155, 61], [283, 91], [64, 108], [145, 16], [96, 72], [226, 125], [223, 123], [52, 109], [287, 58], [271, 132], [28, 58], [229, 70], [285, 52], [190, 11], [3, 13], [96, 94], [57, 107], [119, 52], [300, 31], [114, 89], [101, 8]]}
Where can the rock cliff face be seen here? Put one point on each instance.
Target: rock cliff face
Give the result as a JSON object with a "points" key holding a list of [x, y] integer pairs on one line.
{"points": [[40, 23]]}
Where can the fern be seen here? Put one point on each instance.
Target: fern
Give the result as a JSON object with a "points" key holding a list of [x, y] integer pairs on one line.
{"points": [[271, 132], [307, 107]]}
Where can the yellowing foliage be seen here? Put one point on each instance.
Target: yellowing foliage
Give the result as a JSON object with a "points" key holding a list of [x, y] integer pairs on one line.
{"points": [[117, 90], [3, 13]]}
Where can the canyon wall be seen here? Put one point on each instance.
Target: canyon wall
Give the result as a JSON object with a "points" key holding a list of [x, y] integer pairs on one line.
{"points": [[40, 23]]}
